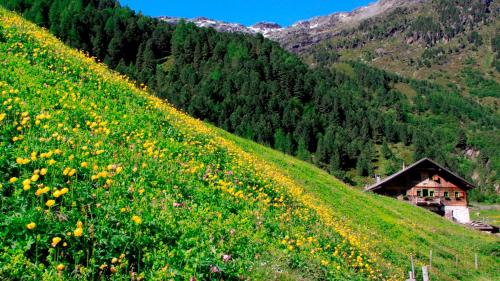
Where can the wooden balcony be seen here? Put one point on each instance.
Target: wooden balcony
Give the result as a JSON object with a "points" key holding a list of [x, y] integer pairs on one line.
{"points": [[426, 201]]}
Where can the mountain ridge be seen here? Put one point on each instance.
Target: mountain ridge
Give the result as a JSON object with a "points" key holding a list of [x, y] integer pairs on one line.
{"points": [[310, 31]]}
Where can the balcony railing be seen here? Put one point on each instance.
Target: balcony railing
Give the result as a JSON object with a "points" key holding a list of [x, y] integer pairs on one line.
{"points": [[426, 201]]}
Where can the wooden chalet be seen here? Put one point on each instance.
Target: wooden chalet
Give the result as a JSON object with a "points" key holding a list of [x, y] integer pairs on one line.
{"points": [[431, 186]]}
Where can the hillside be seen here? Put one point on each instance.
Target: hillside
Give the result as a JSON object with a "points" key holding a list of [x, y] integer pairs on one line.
{"points": [[98, 179], [341, 118], [452, 43]]}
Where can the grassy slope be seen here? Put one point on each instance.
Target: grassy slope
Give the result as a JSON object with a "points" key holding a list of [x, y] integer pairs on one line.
{"points": [[100, 179], [393, 229], [278, 217]]}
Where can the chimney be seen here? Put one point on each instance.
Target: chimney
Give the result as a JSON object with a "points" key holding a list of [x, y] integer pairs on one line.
{"points": [[378, 178], [404, 166]]}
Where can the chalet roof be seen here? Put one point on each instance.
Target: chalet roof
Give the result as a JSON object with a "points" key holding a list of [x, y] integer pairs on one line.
{"points": [[465, 184]]}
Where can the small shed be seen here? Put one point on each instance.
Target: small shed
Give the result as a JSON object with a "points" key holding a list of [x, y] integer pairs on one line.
{"points": [[431, 186]]}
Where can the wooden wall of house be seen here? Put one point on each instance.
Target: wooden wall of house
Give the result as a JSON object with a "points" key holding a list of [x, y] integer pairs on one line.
{"points": [[439, 186], [407, 186]]}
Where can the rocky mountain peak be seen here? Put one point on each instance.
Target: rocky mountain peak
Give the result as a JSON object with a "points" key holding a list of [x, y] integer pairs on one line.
{"points": [[306, 32], [266, 25]]}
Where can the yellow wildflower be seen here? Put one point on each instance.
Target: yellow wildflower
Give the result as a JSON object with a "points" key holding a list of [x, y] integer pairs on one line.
{"points": [[13, 180], [31, 225], [56, 193], [43, 171], [41, 191], [79, 229], [103, 266], [50, 203], [60, 267], [84, 164], [56, 241], [136, 219], [34, 178], [78, 232]]}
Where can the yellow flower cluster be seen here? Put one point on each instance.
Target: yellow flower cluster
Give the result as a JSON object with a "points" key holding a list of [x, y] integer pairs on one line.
{"points": [[69, 172], [57, 193], [42, 190]]}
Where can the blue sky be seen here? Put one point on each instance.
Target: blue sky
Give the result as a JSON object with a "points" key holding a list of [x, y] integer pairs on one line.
{"points": [[246, 12]]}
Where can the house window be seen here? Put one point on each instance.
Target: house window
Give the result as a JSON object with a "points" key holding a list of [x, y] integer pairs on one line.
{"points": [[446, 194], [431, 193], [425, 193], [419, 193], [457, 194]]}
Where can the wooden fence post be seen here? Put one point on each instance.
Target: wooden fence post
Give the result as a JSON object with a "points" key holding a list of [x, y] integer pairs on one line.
{"points": [[425, 273], [411, 277], [430, 260], [411, 274], [412, 267]]}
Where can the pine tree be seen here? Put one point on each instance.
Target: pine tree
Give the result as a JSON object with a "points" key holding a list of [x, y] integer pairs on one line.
{"points": [[362, 166], [386, 151]]}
